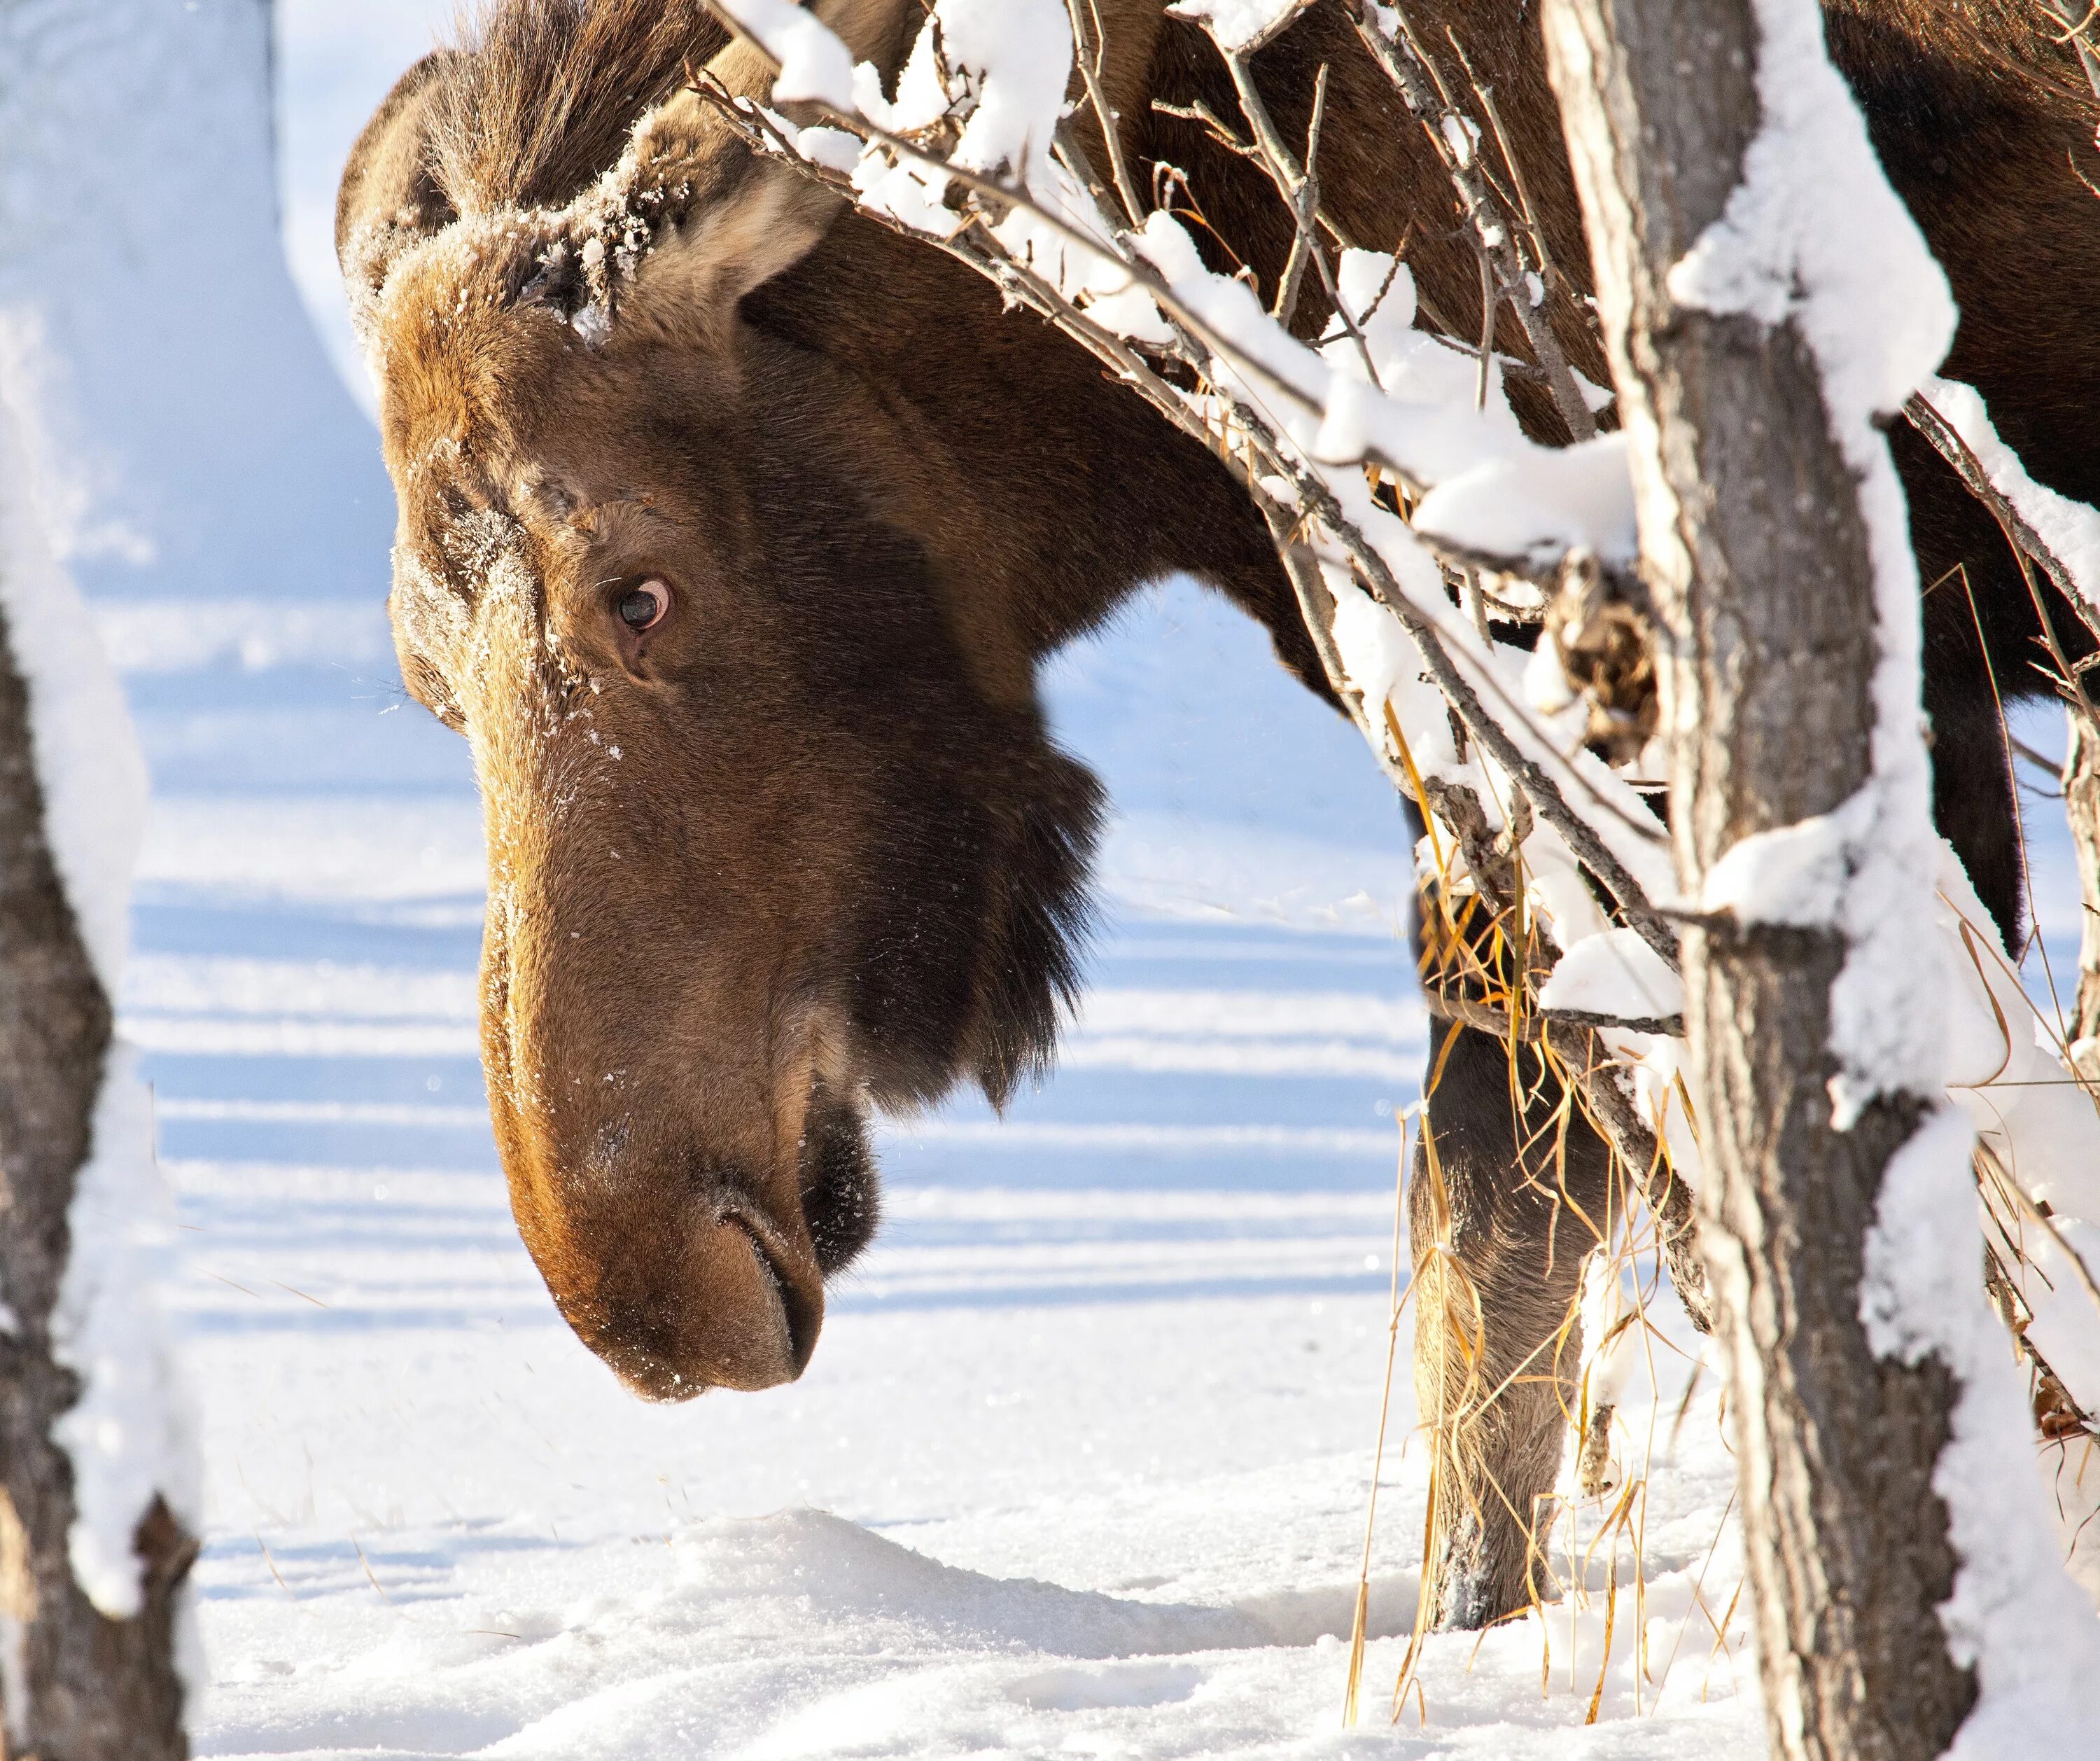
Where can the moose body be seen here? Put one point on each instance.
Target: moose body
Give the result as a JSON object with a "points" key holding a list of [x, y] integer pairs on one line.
{"points": [[733, 529]]}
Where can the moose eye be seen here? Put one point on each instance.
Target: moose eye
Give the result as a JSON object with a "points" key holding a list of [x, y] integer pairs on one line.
{"points": [[642, 608]]}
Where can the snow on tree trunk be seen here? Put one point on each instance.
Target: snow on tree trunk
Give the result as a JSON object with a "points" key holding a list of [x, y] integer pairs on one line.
{"points": [[92, 1556], [1765, 298]]}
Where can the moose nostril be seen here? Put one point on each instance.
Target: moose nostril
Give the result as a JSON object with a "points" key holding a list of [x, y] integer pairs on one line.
{"points": [[804, 1319]]}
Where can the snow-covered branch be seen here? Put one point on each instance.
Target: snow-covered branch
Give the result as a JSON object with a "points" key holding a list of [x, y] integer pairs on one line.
{"points": [[1374, 395]]}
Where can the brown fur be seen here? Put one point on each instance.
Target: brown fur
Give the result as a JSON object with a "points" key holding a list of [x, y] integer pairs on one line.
{"points": [[546, 101], [809, 846]]}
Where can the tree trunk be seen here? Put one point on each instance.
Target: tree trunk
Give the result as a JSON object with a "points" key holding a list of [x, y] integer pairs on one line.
{"points": [[1755, 549], [79, 1686], [2081, 807]]}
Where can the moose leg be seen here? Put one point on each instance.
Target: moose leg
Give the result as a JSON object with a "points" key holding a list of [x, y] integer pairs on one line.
{"points": [[1503, 1206]]}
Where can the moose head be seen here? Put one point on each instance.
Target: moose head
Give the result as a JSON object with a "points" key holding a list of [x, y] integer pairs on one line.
{"points": [[729, 537]]}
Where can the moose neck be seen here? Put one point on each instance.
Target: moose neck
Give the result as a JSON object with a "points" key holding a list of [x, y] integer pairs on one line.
{"points": [[1045, 493]]}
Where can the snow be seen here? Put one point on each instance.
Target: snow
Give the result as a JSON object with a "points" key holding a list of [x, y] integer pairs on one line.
{"points": [[1418, 417], [1613, 973], [130, 1436], [1533, 509], [1237, 23], [814, 63], [2070, 529], [1793, 874], [1009, 60]]}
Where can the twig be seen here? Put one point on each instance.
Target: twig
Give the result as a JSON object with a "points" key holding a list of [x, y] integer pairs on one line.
{"points": [[1611, 1110], [1596, 1079], [1415, 75], [2039, 761], [1299, 188], [1488, 1019], [1274, 28], [1089, 58], [1222, 136], [1946, 440], [1304, 241], [1213, 124], [1547, 271], [2075, 29]]}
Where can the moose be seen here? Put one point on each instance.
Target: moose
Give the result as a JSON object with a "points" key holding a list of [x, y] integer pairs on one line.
{"points": [[738, 592]]}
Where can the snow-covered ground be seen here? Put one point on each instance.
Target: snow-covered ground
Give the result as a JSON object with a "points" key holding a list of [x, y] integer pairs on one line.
{"points": [[1081, 1465]]}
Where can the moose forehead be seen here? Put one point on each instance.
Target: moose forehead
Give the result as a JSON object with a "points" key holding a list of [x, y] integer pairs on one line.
{"points": [[463, 369], [492, 401], [467, 388]]}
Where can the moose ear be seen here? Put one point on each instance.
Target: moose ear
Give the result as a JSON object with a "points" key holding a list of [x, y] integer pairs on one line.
{"points": [[725, 220], [388, 200]]}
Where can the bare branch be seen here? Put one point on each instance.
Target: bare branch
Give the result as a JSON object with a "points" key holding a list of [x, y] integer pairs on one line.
{"points": [[1416, 78], [2075, 29], [1088, 53], [1488, 1019]]}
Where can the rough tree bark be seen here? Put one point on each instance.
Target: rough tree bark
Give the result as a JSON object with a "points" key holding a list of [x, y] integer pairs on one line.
{"points": [[1756, 553], [80, 1686], [2081, 807]]}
